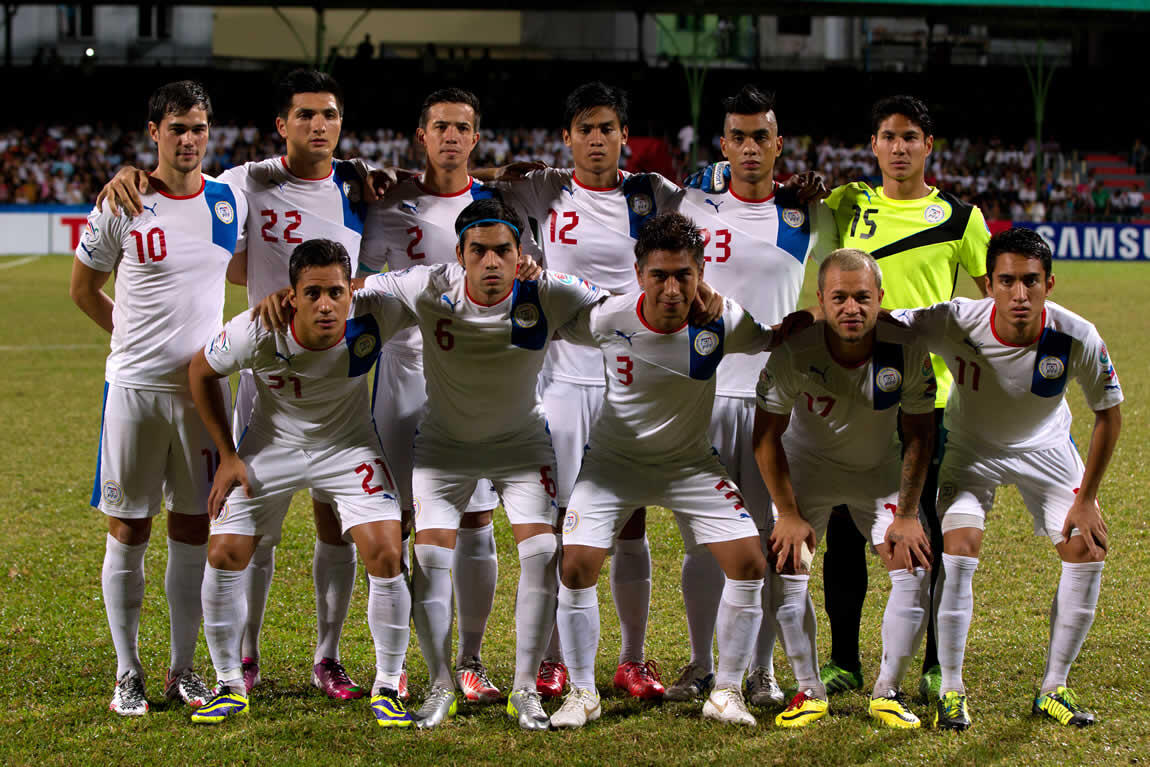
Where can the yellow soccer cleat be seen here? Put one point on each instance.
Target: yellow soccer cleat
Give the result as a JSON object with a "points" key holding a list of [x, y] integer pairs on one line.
{"points": [[802, 711], [891, 710]]}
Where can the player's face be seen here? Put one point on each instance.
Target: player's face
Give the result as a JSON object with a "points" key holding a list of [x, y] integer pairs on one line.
{"points": [[1020, 286], [751, 143], [596, 140], [321, 298], [182, 139], [449, 135], [850, 301], [490, 257], [670, 280], [901, 148], [312, 126]]}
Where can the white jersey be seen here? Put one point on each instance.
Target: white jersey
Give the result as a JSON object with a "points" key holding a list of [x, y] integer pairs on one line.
{"points": [[847, 416], [309, 397], [412, 226], [660, 386], [170, 263], [482, 362], [756, 253], [285, 210], [1007, 397], [591, 233]]}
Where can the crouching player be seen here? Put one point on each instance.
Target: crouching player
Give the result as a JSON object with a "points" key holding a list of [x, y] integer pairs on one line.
{"points": [[829, 400], [310, 428], [1011, 356]]}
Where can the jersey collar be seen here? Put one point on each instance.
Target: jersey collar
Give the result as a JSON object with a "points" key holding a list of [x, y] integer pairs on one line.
{"points": [[283, 159], [774, 188], [197, 193], [1042, 327], [428, 192], [639, 313], [597, 188], [302, 345]]}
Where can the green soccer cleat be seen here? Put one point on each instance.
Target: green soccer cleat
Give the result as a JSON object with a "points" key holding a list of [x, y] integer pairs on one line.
{"points": [[930, 684], [226, 703], [950, 712], [1062, 706], [837, 679]]}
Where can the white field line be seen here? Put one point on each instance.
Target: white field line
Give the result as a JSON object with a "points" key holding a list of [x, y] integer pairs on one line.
{"points": [[17, 262], [52, 347]]}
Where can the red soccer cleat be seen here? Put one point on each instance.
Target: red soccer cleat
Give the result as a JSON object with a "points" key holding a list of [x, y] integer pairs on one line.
{"points": [[403, 692], [552, 678], [640, 680], [332, 680]]}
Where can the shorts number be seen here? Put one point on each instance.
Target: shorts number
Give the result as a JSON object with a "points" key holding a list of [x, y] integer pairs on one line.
{"points": [[548, 482], [730, 493], [157, 246], [443, 337], [872, 226], [624, 370], [826, 404], [571, 216], [369, 474], [975, 373], [292, 215], [416, 236], [277, 382], [722, 244]]}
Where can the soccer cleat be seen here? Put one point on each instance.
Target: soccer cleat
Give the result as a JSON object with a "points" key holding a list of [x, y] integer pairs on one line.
{"points": [[404, 693], [526, 707], [389, 709], [803, 710], [552, 679], [251, 668], [837, 679], [950, 713], [187, 686], [439, 706], [930, 685], [762, 689], [640, 680], [227, 702], [128, 698], [1062, 706], [890, 708], [579, 707], [476, 686], [693, 682], [332, 680], [726, 704]]}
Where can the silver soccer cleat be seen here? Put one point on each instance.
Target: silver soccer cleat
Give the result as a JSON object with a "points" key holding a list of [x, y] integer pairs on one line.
{"points": [[693, 682], [762, 689], [439, 705], [526, 705]]}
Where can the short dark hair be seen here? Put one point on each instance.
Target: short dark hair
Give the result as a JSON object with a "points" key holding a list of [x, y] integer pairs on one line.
{"points": [[907, 106], [490, 211], [449, 96], [591, 96], [669, 231], [1020, 241], [748, 101], [306, 81], [177, 98], [318, 252]]}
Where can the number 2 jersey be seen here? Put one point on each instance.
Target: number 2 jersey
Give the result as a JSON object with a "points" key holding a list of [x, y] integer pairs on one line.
{"points": [[170, 263], [1013, 398]]}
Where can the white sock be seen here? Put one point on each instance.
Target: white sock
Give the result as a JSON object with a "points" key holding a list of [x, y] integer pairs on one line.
{"points": [[554, 651], [478, 570], [902, 626], [333, 572], [122, 581], [257, 583], [1071, 616], [432, 610], [702, 580], [631, 589], [740, 613], [405, 556], [768, 628], [182, 582], [535, 604], [795, 615], [389, 618], [955, 595], [225, 612], [578, 620]]}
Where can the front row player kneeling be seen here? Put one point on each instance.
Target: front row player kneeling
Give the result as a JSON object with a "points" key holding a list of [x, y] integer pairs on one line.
{"points": [[310, 428]]}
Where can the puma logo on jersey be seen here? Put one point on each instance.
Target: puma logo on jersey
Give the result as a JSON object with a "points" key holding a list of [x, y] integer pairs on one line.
{"points": [[626, 336], [714, 204], [412, 206], [972, 344], [568, 189], [822, 373], [152, 208], [286, 358], [449, 302]]}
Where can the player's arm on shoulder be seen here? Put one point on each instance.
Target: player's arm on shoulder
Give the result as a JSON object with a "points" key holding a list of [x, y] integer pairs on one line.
{"points": [[745, 335], [514, 171], [825, 236], [122, 192], [972, 251], [928, 324], [579, 329]]}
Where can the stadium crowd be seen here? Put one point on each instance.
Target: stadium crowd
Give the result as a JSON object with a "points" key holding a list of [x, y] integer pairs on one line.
{"points": [[69, 164]]}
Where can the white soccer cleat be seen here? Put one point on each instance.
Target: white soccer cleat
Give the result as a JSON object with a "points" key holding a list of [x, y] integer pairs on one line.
{"points": [[189, 687], [579, 707], [693, 682], [762, 689], [726, 704], [472, 680], [128, 699]]}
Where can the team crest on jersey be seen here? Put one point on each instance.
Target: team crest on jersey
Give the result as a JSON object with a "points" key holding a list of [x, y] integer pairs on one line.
{"points": [[641, 204], [224, 212], [570, 521], [947, 491], [220, 343], [347, 189], [888, 379], [934, 214], [706, 342], [526, 316], [566, 279], [364, 345], [793, 217], [1051, 368], [112, 492]]}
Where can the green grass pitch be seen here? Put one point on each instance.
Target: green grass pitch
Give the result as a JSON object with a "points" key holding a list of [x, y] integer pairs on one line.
{"points": [[57, 662]]}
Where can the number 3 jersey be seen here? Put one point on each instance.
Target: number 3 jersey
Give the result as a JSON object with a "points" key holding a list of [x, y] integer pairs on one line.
{"points": [[307, 397], [847, 416], [170, 263], [1007, 397]]}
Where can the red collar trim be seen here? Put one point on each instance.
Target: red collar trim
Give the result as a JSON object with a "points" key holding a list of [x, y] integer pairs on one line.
{"points": [[464, 190], [598, 188], [197, 193], [747, 199], [283, 159], [467, 292], [994, 311], [291, 325], [639, 312]]}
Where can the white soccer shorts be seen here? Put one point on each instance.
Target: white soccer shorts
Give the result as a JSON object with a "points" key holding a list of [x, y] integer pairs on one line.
{"points": [[571, 409], [153, 446], [730, 432], [871, 496]]}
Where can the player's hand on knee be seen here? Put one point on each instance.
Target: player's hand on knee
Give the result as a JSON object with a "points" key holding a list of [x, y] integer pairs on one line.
{"points": [[231, 472], [123, 192], [275, 311], [789, 535], [909, 545], [1087, 517]]}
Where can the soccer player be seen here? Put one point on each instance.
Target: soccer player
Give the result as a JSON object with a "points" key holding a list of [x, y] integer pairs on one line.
{"points": [[415, 224], [649, 445], [1008, 423], [305, 194], [756, 250], [484, 340], [170, 266], [825, 436], [310, 427]]}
